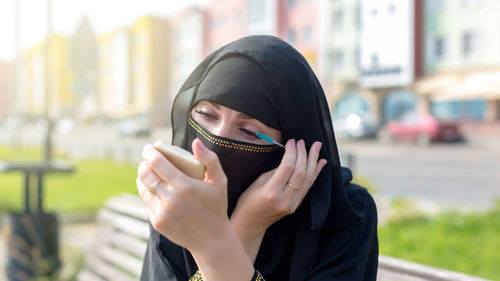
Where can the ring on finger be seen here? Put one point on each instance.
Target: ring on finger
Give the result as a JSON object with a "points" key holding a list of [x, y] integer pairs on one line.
{"points": [[296, 187], [152, 187]]}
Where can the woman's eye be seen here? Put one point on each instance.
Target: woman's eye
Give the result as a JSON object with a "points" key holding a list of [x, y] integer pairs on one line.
{"points": [[206, 115], [247, 133]]}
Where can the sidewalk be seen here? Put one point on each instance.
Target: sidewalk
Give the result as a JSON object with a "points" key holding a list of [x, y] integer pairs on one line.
{"points": [[485, 135]]}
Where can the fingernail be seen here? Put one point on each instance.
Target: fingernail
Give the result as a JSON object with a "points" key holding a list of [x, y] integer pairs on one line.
{"points": [[290, 142], [301, 143]]}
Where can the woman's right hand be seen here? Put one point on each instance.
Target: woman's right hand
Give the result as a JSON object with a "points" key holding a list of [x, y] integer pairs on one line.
{"points": [[193, 213], [274, 194], [184, 209]]}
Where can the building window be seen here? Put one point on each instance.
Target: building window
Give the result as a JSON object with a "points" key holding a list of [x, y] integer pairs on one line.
{"points": [[357, 56], [459, 110], [357, 16], [439, 47], [392, 9], [338, 60], [290, 4], [374, 59], [256, 11], [470, 43], [470, 3], [308, 34], [437, 5], [291, 36], [338, 18]]}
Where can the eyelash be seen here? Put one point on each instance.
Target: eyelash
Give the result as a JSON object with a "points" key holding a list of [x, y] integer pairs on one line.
{"points": [[249, 134], [206, 114]]}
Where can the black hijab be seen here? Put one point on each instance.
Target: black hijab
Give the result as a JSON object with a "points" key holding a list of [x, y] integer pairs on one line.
{"points": [[267, 79]]}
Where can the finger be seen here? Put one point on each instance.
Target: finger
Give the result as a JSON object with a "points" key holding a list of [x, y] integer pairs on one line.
{"points": [[142, 176], [214, 172], [148, 197], [287, 164], [299, 171], [161, 166], [301, 193], [147, 175], [142, 166], [321, 163], [140, 187], [312, 171], [312, 159]]}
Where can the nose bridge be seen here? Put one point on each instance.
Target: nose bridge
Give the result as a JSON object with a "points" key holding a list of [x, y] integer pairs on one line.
{"points": [[223, 128]]}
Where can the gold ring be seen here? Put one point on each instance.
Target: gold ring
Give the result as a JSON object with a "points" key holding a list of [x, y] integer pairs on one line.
{"points": [[152, 187], [293, 186]]}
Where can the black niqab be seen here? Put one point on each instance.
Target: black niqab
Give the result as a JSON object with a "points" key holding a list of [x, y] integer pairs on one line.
{"points": [[267, 79]]}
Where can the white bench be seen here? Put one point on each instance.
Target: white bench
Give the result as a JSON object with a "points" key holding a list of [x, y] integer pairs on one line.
{"points": [[122, 232]]}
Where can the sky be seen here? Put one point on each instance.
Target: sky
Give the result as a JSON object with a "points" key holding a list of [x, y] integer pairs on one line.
{"points": [[104, 15]]}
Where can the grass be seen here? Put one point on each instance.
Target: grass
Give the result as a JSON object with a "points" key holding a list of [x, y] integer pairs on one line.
{"points": [[466, 243], [81, 192]]}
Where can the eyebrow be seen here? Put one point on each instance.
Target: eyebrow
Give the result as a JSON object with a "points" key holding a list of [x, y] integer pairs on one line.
{"points": [[240, 114]]}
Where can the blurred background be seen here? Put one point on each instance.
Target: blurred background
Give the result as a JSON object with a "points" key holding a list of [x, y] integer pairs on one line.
{"points": [[413, 87]]}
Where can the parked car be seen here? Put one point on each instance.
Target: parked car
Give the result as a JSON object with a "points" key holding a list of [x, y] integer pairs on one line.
{"points": [[422, 128], [355, 126]]}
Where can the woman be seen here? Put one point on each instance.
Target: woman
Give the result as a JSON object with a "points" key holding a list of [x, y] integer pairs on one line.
{"points": [[261, 212]]}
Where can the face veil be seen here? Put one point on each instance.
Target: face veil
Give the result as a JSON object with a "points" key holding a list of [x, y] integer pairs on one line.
{"points": [[242, 162], [267, 79]]}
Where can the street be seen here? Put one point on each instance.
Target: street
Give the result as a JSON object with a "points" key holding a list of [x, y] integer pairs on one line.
{"points": [[464, 176]]}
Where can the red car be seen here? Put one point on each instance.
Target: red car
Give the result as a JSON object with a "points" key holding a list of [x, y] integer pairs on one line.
{"points": [[422, 128]]}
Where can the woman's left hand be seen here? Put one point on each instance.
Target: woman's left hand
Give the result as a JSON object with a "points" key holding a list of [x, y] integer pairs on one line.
{"points": [[276, 193]]}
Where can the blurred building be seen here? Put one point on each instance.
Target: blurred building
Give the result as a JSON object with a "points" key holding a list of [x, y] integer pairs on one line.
{"points": [[6, 88], [300, 18], [151, 46], [345, 44], [115, 53], [462, 62], [188, 39], [344, 53], [83, 64], [302, 23], [264, 17], [377, 55], [303, 26], [227, 21], [32, 95]]}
